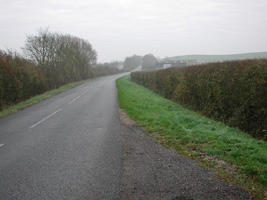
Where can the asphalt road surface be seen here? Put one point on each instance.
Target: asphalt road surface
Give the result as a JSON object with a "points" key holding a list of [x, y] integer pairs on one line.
{"points": [[66, 147], [76, 145]]}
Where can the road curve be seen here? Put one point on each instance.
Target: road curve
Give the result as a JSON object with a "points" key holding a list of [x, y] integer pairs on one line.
{"points": [[66, 147]]}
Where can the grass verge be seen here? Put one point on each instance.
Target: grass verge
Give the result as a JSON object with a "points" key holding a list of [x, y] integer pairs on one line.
{"points": [[237, 157], [12, 109]]}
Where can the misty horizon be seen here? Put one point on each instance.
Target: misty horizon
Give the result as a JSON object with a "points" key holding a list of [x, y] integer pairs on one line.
{"points": [[122, 28]]}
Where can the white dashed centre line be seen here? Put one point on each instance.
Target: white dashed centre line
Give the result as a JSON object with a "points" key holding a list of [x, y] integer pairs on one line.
{"points": [[74, 99], [85, 91], [2, 145], [45, 118], [91, 87]]}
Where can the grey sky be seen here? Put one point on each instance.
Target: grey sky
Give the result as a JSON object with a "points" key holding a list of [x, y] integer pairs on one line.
{"points": [[120, 28]]}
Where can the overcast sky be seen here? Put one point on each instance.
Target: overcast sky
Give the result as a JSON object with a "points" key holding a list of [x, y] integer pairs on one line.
{"points": [[120, 28]]}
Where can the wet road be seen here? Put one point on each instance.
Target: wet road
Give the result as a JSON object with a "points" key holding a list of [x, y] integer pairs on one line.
{"points": [[66, 147]]}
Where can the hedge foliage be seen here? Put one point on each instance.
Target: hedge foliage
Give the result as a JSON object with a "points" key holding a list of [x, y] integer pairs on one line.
{"points": [[21, 78], [234, 92]]}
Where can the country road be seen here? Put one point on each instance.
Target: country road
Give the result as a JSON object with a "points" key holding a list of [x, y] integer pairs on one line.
{"points": [[66, 147], [78, 145]]}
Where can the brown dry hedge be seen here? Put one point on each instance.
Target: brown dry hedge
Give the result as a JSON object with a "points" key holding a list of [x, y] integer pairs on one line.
{"points": [[234, 92]]}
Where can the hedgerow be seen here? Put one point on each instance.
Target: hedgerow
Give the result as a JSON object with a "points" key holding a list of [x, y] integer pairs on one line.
{"points": [[233, 92], [21, 78]]}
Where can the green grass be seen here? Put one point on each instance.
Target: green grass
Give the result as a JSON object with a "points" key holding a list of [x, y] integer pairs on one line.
{"points": [[12, 109], [198, 137]]}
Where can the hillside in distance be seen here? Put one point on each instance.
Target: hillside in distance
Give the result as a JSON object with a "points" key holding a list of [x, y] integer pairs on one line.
{"points": [[219, 58]]}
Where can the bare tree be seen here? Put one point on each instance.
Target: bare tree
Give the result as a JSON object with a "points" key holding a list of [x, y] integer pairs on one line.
{"points": [[42, 48], [63, 58]]}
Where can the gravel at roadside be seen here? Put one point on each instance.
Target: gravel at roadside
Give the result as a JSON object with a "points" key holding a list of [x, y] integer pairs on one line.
{"points": [[151, 171]]}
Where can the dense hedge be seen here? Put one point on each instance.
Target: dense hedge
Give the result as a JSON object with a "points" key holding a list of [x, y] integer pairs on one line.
{"points": [[21, 79], [234, 92]]}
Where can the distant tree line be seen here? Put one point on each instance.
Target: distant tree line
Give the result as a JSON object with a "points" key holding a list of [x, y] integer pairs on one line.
{"points": [[132, 62], [52, 60], [112, 64], [148, 62]]}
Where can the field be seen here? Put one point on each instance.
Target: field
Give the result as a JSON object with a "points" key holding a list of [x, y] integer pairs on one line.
{"points": [[220, 58]]}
